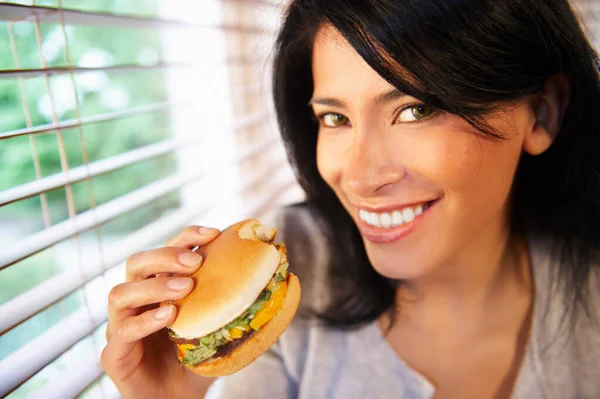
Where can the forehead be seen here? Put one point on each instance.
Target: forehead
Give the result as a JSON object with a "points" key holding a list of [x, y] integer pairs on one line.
{"points": [[338, 69]]}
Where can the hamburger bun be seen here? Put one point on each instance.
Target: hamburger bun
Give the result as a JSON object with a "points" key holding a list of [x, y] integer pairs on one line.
{"points": [[234, 272], [259, 342]]}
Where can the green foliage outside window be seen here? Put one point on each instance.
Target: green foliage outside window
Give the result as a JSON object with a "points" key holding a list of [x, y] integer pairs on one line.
{"points": [[98, 93]]}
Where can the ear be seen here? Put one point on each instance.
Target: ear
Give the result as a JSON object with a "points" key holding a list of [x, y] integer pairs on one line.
{"points": [[549, 107]]}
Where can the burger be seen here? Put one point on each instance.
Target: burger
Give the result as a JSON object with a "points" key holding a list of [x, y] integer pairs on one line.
{"points": [[243, 300]]}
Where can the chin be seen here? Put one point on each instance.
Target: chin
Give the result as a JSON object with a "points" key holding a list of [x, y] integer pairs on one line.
{"points": [[398, 265]]}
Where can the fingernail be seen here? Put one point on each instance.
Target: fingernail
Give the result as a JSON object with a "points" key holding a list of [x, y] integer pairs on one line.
{"points": [[207, 230], [179, 284], [189, 258], [163, 312]]}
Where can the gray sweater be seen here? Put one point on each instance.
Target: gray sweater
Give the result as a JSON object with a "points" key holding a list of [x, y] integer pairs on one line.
{"points": [[312, 361]]}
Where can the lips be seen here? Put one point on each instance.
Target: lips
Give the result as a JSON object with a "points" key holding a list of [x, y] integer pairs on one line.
{"points": [[392, 224]]}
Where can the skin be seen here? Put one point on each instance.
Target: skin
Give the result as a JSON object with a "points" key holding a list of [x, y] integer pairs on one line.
{"points": [[139, 357], [467, 294]]}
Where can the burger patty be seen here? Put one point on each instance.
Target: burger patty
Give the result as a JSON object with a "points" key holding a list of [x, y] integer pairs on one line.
{"points": [[226, 349], [184, 341], [222, 350]]}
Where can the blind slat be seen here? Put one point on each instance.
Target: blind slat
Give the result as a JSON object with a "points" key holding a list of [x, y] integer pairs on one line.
{"points": [[92, 218], [253, 2], [115, 115], [86, 120], [80, 378], [22, 364], [80, 173], [259, 206], [18, 12], [30, 73], [120, 161]]}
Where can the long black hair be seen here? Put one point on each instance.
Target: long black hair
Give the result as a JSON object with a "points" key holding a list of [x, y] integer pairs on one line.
{"points": [[465, 57]]}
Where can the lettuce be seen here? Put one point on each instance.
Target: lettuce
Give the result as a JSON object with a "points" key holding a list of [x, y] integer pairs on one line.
{"points": [[197, 355], [281, 272], [209, 343]]}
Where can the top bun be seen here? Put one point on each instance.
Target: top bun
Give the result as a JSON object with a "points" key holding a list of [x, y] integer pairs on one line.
{"points": [[237, 266]]}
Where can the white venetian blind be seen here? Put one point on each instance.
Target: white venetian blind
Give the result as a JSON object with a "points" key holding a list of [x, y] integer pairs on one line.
{"points": [[121, 122]]}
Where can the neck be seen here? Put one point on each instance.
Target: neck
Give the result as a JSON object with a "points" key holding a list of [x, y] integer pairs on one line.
{"points": [[490, 269]]}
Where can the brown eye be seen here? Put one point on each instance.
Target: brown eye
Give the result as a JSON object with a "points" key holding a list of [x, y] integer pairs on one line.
{"points": [[415, 113], [334, 120], [422, 111]]}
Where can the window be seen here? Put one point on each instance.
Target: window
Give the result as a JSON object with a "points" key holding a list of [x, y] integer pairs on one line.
{"points": [[120, 123]]}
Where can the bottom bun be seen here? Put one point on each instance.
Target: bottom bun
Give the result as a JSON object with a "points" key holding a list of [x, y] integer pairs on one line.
{"points": [[259, 342]]}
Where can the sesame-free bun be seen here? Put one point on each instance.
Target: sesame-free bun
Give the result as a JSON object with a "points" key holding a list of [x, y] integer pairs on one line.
{"points": [[237, 266], [259, 342]]}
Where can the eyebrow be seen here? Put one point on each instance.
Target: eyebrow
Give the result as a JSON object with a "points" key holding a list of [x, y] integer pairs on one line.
{"points": [[380, 99], [389, 96]]}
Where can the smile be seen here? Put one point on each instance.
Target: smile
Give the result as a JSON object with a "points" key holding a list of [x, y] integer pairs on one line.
{"points": [[395, 218], [393, 224]]}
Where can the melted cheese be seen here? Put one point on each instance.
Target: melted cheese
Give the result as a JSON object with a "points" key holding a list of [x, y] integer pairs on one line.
{"points": [[182, 348], [270, 309], [236, 333], [272, 306]]}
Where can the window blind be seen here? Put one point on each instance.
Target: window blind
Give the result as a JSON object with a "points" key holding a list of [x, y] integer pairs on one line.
{"points": [[119, 127]]}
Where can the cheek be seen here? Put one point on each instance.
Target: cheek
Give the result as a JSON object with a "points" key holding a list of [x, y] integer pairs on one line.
{"points": [[475, 171], [489, 170], [472, 171], [444, 155]]}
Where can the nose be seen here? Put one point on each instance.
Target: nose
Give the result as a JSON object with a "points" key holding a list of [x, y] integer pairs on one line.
{"points": [[373, 166]]}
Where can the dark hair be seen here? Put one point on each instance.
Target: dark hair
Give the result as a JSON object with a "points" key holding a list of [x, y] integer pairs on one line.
{"points": [[464, 57]]}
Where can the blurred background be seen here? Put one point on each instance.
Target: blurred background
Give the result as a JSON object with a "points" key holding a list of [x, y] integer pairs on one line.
{"points": [[121, 122]]}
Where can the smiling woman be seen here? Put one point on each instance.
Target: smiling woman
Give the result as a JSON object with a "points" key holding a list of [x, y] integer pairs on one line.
{"points": [[451, 152], [449, 245], [391, 154], [449, 106]]}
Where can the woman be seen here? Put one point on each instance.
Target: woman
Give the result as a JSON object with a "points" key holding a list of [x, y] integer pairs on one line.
{"points": [[449, 152]]}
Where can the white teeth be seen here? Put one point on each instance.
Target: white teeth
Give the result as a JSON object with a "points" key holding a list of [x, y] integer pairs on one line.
{"points": [[362, 214], [408, 215], [394, 219], [385, 219], [375, 219], [397, 218]]}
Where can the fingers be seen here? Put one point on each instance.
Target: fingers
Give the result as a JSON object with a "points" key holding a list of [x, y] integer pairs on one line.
{"points": [[176, 258], [133, 313], [124, 299], [132, 329], [125, 339], [146, 264], [193, 236]]}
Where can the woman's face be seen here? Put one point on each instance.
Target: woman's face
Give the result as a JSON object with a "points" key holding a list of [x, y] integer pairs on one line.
{"points": [[422, 186]]}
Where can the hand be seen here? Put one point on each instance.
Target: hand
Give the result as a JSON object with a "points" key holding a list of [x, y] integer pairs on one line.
{"points": [[139, 357]]}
